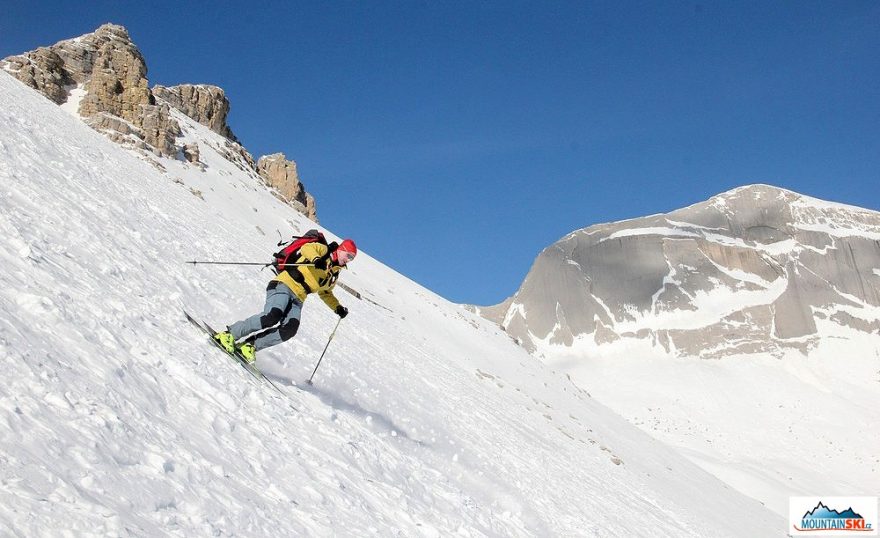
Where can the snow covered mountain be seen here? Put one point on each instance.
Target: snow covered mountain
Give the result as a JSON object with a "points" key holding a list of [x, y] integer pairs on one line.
{"points": [[756, 269], [118, 419], [781, 290]]}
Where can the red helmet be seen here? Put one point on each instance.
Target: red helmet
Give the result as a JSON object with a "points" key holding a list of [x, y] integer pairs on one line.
{"points": [[346, 252]]}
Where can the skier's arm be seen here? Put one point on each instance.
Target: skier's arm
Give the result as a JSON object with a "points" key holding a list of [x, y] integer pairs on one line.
{"points": [[329, 299]]}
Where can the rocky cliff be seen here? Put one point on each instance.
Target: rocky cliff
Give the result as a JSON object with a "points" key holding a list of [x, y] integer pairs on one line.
{"points": [[204, 103], [103, 77], [756, 269], [113, 74], [281, 174]]}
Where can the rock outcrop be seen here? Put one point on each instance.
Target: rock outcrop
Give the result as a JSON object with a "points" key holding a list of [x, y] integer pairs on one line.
{"points": [[191, 153], [114, 76], [117, 83], [204, 103], [110, 74], [42, 70], [281, 175], [756, 269]]}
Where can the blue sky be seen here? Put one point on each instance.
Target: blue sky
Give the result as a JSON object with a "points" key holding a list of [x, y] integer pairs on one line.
{"points": [[455, 140]]}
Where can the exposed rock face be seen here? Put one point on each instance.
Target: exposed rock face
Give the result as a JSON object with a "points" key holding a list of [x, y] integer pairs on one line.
{"points": [[160, 129], [204, 103], [43, 70], [752, 270], [118, 130], [114, 75], [118, 80], [117, 101], [281, 175], [237, 155], [191, 153]]}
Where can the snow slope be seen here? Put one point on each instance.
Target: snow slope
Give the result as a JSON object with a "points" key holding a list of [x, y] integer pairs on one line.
{"points": [[771, 428], [117, 419]]}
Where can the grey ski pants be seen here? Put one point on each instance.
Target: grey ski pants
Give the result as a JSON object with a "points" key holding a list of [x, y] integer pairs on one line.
{"points": [[278, 321]]}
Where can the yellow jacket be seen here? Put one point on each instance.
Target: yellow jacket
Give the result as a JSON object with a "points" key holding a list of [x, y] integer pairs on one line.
{"points": [[307, 279]]}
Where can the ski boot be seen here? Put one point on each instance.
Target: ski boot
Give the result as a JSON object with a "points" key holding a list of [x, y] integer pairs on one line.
{"points": [[226, 341], [248, 352]]}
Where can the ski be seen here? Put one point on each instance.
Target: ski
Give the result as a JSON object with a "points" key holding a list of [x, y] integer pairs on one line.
{"points": [[251, 369]]}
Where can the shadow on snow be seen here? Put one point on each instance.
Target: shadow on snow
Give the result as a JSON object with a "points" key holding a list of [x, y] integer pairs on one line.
{"points": [[377, 421]]}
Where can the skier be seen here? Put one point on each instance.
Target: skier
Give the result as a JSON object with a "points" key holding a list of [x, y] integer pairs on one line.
{"points": [[285, 295]]}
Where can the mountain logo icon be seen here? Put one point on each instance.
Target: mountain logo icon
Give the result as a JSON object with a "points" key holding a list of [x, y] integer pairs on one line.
{"points": [[823, 512], [823, 519]]}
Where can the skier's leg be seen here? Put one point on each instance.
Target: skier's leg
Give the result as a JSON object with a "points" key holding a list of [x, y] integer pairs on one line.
{"points": [[277, 303], [285, 330], [290, 324]]}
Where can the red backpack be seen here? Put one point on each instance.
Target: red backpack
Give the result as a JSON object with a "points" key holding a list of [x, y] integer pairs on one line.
{"points": [[290, 253]]}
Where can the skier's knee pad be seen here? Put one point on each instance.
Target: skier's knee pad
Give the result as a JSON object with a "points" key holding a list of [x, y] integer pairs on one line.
{"points": [[288, 330], [271, 318]]}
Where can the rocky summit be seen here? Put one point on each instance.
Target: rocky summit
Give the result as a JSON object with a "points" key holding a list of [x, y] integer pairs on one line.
{"points": [[753, 270], [113, 74], [102, 76]]}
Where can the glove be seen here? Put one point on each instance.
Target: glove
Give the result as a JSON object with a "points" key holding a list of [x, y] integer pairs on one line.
{"points": [[322, 263], [341, 311]]}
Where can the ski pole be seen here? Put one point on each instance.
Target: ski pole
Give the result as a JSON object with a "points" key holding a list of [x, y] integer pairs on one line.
{"points": [[323, 352], [196, 262]]}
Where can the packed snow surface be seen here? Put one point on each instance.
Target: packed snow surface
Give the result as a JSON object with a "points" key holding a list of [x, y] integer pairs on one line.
{"points": [[119, 419]]}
